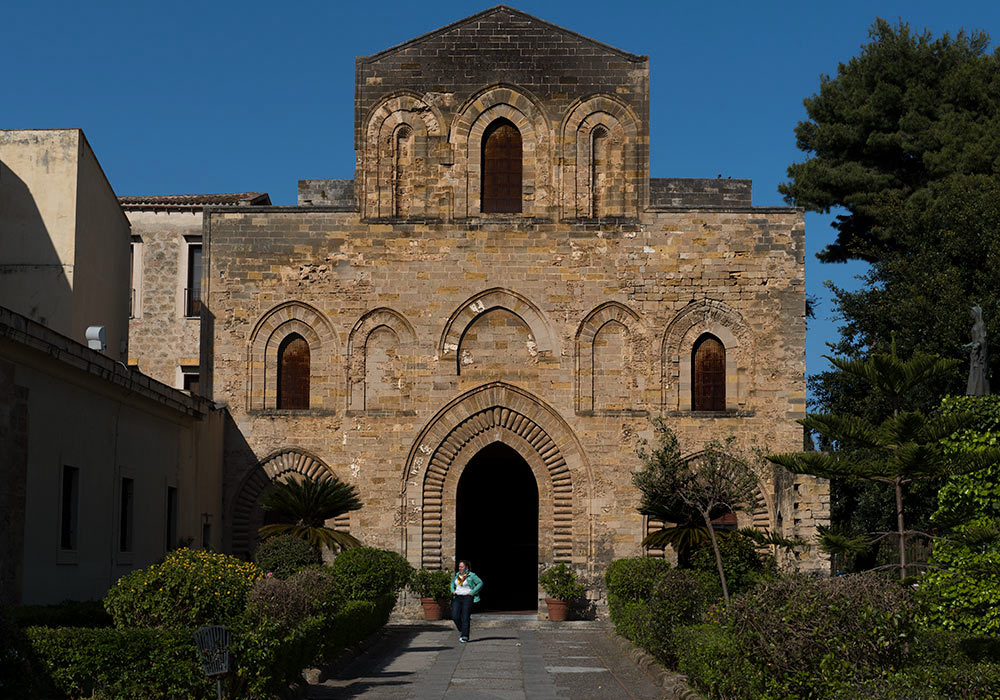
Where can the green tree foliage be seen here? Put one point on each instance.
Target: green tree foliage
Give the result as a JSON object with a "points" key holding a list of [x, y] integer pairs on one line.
{"points": [[308, 504], [283, 555], [962, 592], [367, 573], [683, 489], [904, 447]]}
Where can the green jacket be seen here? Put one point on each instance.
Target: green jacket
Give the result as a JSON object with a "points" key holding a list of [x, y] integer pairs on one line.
{"points": [[475, 585]]}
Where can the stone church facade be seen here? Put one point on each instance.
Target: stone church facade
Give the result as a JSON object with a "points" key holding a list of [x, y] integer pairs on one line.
{"points": [[476, 330]]}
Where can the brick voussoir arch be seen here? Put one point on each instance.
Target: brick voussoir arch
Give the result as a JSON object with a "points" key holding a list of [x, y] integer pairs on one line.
{"points": [[496, 412], [585, 334], [496, 298], [278, 465], [262, 347], [694, 320]]}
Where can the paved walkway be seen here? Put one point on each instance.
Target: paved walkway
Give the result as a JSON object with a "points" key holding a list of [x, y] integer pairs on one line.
{"points": [[508, 657]]}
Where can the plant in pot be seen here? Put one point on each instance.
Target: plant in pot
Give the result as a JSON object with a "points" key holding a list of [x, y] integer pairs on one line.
{"points": [[432, 587], [561, 588]]}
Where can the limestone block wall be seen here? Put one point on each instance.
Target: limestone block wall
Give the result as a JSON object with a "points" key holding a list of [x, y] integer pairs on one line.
{"points": [[162, 338], [430, 340]]}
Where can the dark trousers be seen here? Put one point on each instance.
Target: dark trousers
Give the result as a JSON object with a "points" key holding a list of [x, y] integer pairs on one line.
{"points": [[461, 611]]}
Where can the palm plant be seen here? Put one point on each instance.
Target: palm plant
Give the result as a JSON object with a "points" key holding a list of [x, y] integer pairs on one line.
{"points": [[308, 504]]}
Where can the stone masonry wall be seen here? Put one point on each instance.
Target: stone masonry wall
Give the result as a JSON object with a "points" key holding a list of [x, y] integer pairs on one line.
{"points": [[161, 337], [508, 313]]}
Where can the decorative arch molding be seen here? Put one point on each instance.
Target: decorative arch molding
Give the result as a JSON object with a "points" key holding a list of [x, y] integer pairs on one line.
{"points": [[357, 341], [620, 186], [290, 462], [526, 113], [262, 354], [690, 323], [593, 322], [475, 306], [495, 412], [385, 122]]}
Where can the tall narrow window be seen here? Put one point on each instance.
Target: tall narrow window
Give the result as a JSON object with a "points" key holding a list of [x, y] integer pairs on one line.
{"points": [[598, 170], [402, 172], [192, 293], [126, 515], [135, 277], [171, 524], [501, 168], [69, 512], [708, 369], [190, 379], [293, 372]]}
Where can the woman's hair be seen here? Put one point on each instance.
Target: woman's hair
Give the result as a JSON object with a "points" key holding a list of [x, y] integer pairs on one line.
{"points": [[468, 566]]}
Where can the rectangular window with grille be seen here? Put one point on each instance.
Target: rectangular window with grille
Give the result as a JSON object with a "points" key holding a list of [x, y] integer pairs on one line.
{"points": [[192, 292], [69, 509], [126, 514], [171, 524]]}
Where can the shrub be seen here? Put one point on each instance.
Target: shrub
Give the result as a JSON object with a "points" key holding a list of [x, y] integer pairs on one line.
{"points": [[800, 630], [745, 567], [355, 621], [120, 664], [708, 656], [284, 555], [15, 671], [190, 588], [633, 579], [367, 573], [647, 601], [290, 601], [69, 613], [560, 582], [431, 584]]}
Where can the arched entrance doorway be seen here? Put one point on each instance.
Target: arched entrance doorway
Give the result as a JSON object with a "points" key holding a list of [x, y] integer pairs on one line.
{"points": [[496, 527]]}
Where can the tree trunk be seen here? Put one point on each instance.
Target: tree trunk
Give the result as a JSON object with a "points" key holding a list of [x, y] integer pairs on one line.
{"points": [[900, 528], [718, 558]]}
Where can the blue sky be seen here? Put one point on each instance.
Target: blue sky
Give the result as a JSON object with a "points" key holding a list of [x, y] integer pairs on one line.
{"points": [[192, 97]]}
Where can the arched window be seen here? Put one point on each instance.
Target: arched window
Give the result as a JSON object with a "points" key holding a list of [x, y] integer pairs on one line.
{"points": [[501, 168], [402, 174], [293, 372], [708, 370], [598, 170]]}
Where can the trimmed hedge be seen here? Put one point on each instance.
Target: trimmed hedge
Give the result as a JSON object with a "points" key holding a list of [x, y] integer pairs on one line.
{"points": [[69, 613], [647, 600], [368, 573], [119, 664], [284, 555], [189, 588]]}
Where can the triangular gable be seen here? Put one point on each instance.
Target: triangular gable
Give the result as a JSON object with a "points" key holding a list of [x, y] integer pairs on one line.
{"points": [[487, 13]]}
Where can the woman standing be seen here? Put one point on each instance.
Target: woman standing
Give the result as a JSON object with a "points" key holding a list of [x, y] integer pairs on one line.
{"points": [[465, 587]]}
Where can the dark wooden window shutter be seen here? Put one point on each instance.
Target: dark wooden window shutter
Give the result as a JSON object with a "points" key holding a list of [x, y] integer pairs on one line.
{"points": [[708, 371], [293, 372], [501, 168]]}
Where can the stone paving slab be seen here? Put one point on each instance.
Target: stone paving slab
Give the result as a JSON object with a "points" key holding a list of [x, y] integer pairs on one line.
{"points": [[507, 658]]}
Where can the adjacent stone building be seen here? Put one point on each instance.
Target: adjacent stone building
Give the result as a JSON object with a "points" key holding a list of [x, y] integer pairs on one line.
{"points": [[477, 329]]}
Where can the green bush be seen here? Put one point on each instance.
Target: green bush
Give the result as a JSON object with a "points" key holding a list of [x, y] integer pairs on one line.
{"points": [[69, 613], [745, 567], [190, 588], [647, 601], [561, 583], [367, 573], [633, 579], [934, 682], [311, 591], [118, 664], [355, 621], [431, 584], [707, 654], [284, 555], [962, 592], [15, 669]]}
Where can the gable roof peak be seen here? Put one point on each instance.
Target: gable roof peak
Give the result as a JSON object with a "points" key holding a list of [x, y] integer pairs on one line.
{"points": [[492, 11]]}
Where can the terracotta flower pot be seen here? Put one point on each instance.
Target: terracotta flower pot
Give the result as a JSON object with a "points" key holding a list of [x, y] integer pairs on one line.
{"points": [[433, 608], [558, 609]]}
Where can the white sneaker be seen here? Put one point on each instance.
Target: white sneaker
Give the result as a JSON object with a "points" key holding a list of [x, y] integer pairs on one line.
{"points": [[463, 639]]}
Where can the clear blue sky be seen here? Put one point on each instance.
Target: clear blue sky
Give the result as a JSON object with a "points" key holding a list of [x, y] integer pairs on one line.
{"points": [[219, 96]]}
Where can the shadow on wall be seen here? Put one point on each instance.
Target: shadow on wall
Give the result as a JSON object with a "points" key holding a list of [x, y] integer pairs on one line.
{"points": [[33, 280]]}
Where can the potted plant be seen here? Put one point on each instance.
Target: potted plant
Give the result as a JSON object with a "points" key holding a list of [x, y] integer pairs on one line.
{"points": [[561, 588], [432, 587]]}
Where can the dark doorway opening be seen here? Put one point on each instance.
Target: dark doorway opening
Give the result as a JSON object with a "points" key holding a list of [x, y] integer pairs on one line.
{"points": [[497, 527]]}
